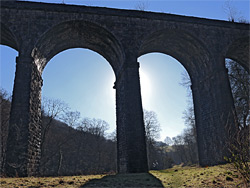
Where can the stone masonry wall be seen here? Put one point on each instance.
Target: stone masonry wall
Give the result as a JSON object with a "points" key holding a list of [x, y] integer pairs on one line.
{"points": [[131, 146], [23, 148]]}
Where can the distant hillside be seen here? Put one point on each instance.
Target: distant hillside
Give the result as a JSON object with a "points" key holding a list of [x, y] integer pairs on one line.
{"points": [[69, 151]]}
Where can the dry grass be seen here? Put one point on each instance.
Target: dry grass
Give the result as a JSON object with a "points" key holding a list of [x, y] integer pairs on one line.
{"points": [[34, 182], [216, 176]]}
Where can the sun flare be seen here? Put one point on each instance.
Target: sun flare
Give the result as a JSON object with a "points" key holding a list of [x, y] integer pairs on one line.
{"points": [[145, 85]]}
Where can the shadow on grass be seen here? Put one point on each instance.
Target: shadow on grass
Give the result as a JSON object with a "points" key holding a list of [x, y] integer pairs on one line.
{"points": [[125, 180]]}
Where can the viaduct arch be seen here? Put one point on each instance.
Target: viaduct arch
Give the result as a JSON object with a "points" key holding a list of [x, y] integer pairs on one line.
{"points": [[38, 31]]}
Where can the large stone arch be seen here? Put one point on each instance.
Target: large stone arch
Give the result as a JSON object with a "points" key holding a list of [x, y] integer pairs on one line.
{"points": [[181, 45], [212, 98], [26, 108], [8, 38], [78, 34], [239, 51]]}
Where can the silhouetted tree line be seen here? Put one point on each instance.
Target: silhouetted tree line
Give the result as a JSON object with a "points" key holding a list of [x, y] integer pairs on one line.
{"points": [[240, 81], [83, 146], [73, 146], [71, 151], [78, 147], [183, 148], [239, 143], [4, 124]]}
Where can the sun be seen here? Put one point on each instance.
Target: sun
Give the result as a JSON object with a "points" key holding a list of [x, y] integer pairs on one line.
{"points": [[145, 86]]}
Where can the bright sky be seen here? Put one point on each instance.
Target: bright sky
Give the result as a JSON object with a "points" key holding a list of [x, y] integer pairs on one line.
{"points": [[84, 79]]}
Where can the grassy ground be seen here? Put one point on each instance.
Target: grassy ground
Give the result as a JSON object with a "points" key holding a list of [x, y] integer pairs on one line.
{"points": [[217, 176], [34, 182]]}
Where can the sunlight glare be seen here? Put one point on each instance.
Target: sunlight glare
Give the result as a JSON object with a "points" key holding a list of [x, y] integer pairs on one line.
{"points": [[145, 86]]}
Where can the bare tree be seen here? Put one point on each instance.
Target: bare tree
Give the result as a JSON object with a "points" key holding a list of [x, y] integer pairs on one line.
{"points": [[152, 125], [189, 120], [239, 141], [94, 126], [186, 143], [239, 82], [189, 116], [232, 13], [71, 118], [157, 156], [142, 5], [112, 136], [51, 109], [186, 82], [98, 128], [168, 141]]}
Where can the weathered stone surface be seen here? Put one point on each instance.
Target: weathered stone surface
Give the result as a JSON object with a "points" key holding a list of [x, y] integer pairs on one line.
{"points": [[39, 31], [131, 145], [23, 144]]}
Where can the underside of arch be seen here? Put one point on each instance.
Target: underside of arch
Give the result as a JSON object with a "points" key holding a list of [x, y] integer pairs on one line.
{"points": [[7, 37], [239, 51], [182, 46], [78, 34]]}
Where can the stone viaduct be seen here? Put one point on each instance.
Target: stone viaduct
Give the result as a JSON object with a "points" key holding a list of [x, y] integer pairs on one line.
{"points": [[39, 31]]}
